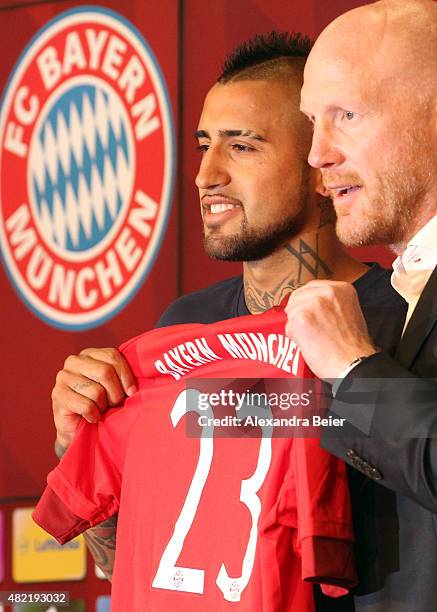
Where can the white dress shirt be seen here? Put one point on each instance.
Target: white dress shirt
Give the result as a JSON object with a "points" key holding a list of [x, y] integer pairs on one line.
{"points": [[412, 269]]}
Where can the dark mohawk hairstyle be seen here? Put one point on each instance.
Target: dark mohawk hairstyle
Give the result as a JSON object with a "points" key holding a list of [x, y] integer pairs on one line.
{"points": [[262, 53]]}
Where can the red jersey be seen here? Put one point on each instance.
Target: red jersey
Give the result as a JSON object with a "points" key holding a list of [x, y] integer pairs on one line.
{"points": [[206, 522]]}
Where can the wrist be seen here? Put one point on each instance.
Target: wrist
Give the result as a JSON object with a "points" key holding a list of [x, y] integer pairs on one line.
{"points": [[354, 359], [350, 366], [348, 369]]}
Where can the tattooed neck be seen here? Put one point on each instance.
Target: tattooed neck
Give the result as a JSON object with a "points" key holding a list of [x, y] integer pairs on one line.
{"points": [[259, 299], [295, 264]]}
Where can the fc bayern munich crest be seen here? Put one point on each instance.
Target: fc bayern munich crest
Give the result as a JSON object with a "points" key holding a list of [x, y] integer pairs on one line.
{"points": [[86, 167]]}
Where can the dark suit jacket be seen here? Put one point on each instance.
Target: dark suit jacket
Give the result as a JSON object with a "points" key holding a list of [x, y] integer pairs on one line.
{"points": [[391, 439]]}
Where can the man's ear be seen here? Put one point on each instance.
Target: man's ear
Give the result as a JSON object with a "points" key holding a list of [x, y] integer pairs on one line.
{"points": [[320, 188]]}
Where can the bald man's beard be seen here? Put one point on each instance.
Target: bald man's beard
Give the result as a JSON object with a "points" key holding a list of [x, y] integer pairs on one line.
{"points": [[392, 202], [383, 219], [254, 242]]}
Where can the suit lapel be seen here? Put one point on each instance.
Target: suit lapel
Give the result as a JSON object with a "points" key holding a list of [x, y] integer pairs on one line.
{"points": [[421, 323]]}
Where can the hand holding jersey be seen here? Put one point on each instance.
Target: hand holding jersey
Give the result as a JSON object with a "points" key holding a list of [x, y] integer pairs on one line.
{"points": [[88, 384], [330, 347]]}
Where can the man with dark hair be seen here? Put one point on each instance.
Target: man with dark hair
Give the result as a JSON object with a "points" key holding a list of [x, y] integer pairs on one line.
{"points": [[260, 204], [264, 55]]}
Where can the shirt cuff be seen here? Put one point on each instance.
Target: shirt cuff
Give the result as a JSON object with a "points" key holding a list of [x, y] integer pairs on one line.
{"points": [[337, 382]]}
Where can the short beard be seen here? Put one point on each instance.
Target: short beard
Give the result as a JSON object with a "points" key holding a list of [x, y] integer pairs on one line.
{"points": [[253, 243], [391, 216], [394, 203]]}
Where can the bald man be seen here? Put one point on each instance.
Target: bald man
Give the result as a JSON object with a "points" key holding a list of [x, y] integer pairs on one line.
{"points": [[370, 91]]}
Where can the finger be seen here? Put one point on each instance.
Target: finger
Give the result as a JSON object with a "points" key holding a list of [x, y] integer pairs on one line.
{"points": [[100, 372], [330, 289], [85, 387], [302, 301], [69, 407], [324, 291], [116, 359]]}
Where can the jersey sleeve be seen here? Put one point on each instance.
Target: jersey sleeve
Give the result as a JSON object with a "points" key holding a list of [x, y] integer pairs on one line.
{"points": [[319, 510], [84, 489]]}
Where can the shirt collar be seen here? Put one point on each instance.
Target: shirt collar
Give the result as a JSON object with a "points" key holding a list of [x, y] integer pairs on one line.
{"points": [[426, 237], [421, 250]]}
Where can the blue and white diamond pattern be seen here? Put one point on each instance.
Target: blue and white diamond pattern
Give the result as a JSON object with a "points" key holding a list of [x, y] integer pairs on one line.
{"points": [[81, 167]]}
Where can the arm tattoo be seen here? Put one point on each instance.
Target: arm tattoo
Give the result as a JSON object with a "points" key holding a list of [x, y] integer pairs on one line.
{"points": [[101, 544]]}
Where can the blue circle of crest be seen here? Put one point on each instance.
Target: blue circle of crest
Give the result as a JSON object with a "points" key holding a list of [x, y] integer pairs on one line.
{"points": [[92, 163]]}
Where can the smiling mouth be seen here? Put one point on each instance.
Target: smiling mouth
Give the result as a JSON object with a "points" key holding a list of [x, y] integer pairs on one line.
{"points": [[219, 208], [217, 204]]}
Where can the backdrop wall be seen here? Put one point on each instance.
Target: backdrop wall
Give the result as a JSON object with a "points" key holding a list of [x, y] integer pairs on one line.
{"points": [[189, 39]]}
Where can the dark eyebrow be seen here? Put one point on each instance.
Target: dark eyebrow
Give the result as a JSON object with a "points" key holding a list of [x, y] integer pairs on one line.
{"points": [[231, 134], [244, 133]]}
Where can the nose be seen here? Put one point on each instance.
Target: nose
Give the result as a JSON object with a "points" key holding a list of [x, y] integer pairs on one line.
{"points": [[213, 170], [325, 151]]}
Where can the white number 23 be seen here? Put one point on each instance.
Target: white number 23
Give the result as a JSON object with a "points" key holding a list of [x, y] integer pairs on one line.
{"points": [[170, 576]]}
